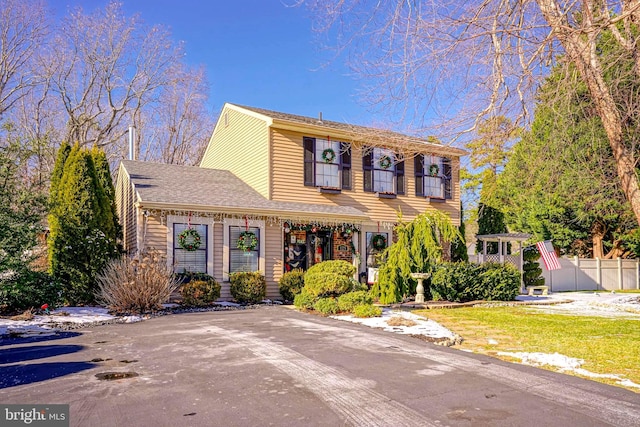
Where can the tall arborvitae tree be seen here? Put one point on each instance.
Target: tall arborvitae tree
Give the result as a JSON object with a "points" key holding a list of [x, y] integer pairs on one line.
{"points": [[418, 247], [490, 221], [81, 241], [104, 175]]}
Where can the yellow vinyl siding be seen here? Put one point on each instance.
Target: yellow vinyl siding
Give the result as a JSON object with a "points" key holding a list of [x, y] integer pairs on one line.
{"points": [[273, 259], [288, 184], [240, 144], [125, 202], [155, 235]]}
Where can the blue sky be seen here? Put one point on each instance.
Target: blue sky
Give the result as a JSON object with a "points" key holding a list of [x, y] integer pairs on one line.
{"points": [[260, 53]]}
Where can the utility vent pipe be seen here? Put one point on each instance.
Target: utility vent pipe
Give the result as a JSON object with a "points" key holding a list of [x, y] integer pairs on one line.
{"points": [[320, 117], [132, 132]]}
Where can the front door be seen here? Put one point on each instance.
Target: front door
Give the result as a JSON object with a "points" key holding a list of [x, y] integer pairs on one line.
{"points": [[319, 247]]}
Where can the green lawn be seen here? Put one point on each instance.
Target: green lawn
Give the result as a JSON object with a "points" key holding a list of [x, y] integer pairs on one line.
{"points": [[608, 346]]}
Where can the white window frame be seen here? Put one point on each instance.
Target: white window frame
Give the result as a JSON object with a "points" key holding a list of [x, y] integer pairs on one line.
{"points": [[235, 222], [194, 220]]}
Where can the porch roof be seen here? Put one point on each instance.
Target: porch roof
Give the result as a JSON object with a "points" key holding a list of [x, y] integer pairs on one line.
{"points": [[504, 237], [166, 186]]}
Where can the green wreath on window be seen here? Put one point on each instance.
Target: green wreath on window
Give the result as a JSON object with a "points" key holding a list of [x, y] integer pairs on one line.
{"points": [[379, 242], [434, 169], [247, 241], [189, 240], [328, 155], [385, 162]]}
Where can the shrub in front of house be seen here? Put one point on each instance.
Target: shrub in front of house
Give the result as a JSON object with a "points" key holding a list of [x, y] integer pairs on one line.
{"points": [[366, 310], [346, 302], [463, 282], [329, 278], [28, 289], [291, 283], [136, 285], [455, 282], [198, 293], [248, 287], [304, 300], [501, 282], [326, 306]]}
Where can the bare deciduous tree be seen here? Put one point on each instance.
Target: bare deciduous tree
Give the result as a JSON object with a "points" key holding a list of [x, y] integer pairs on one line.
{"points": [[178, 127], [105, 68], [23, 27], [458, 63]]}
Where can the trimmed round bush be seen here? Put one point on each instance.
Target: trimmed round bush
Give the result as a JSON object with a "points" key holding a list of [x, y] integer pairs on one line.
{"points": [[342, 268], [248, 287], [304, 300], [501, 282], [200, 293], [326, 306], [346, 302], [367, 310], [327, 284], [291, 283]]}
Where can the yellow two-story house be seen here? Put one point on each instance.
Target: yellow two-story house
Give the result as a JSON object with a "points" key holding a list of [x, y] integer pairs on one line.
{"points": [[303, 189]]}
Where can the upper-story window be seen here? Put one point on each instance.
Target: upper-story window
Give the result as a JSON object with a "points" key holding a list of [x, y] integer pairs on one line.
{"points": [[383, 171], [327, 163], [433, 176]]}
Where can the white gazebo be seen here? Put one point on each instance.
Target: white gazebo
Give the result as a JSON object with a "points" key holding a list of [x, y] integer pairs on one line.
{"points": [[502, 256]]}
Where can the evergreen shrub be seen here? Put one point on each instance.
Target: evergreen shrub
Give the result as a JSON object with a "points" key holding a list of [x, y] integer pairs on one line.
{"points": [[291, 283], [326, 306], [532, 273], [304, 300], [329, 278], [366, 310], [346, 302], [198, 293], [248, 287], [28, 289], [463, 282]]}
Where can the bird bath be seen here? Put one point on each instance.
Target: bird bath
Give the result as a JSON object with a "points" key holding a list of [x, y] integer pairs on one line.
{"points": [[420, 288]]}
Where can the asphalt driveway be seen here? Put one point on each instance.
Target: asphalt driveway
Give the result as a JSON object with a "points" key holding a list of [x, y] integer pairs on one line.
{"points": [[275, 366]]}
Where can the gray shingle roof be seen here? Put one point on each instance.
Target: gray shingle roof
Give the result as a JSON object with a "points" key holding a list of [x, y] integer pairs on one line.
{"points": [[208, 189], [356, 130]]}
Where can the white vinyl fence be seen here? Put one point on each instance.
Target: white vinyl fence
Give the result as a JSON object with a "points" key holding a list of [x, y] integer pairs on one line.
{"points": [[583, 274], [588, 274]]}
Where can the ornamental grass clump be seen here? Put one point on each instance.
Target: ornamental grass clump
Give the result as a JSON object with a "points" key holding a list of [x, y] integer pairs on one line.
{"points": [[136, 285], [248, 287]]}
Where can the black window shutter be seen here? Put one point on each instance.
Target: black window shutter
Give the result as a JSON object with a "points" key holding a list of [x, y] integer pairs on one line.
{"points": [[399, 176], [367, 166], [418, 162], [446, 172], [345, 164], [309, 161]]}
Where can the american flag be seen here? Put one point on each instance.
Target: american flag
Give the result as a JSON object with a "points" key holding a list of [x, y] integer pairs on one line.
{"points": [[548, 255]]}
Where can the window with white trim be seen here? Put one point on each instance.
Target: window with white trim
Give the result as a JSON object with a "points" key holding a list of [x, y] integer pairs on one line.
{"points": [[239, 259], [194, 261], [327, 163], [433, 176]]}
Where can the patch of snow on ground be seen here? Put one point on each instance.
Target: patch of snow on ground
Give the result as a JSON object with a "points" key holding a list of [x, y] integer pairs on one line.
{"points": [[603, 304], [564, 363], [422, 326]]}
